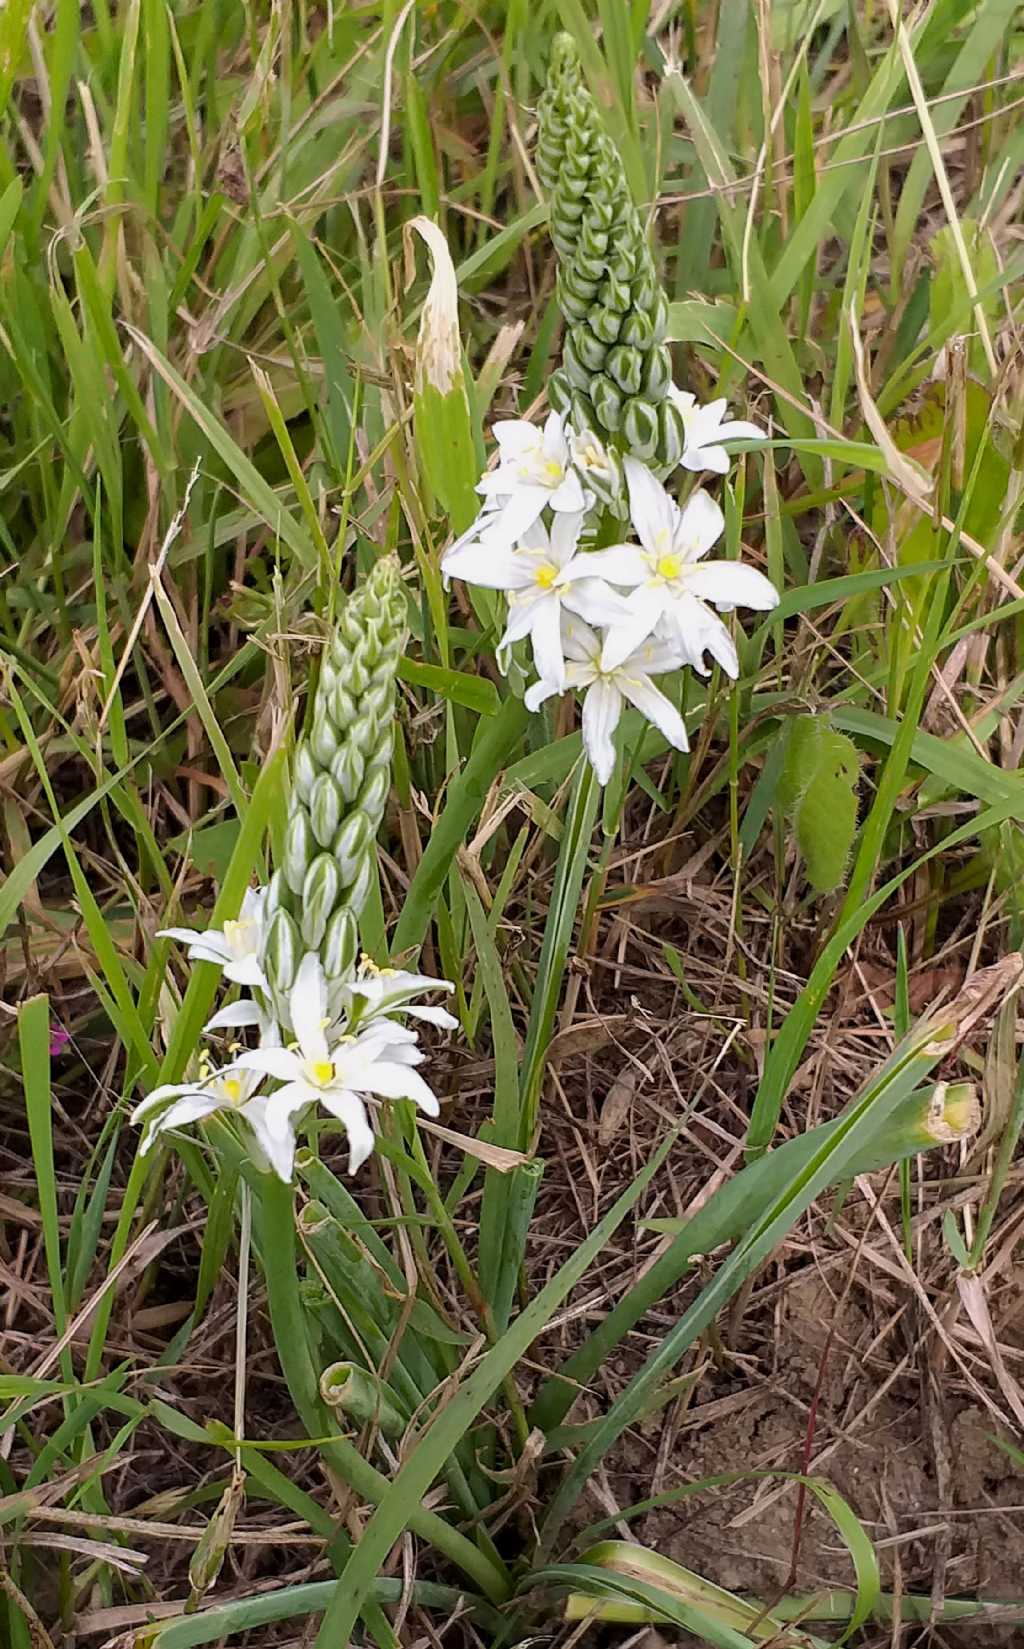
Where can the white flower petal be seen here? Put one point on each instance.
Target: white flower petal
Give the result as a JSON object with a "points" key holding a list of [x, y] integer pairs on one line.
{"points": [[188, 1109], [646, 606], [602, 708], [281, 1063], [307, 1002], [492, 566], [564, 536], [536, 695], [287, 1101], [654, 514], [641, 692], [569, 495], [434, 1016], [619, 564], [246, 970], [278, 1150], [236, 1016], [184, 936], [701, 524], [732, 584], [738, 429], [546, 636], [595, 601], [351, 1113], [160, 1096], [518, 514], [713, 459], [515, 436]]}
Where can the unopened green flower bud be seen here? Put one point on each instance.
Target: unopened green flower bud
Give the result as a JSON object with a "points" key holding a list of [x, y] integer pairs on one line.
{"points": [[607, 402], [625, 367], [299, 848], [671, 434], [325, 803], [657, 374], [640, 428], [282, 953], [560, 393], [347, 770], [352, 842], [319, 896], [608, 287], [342, 778], [340, 944]]}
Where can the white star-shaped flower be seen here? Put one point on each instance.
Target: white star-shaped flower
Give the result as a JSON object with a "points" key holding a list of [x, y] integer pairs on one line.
{"points": [[233, 1089], [338, 1074], [670, 581], [534, 473], [705, 428], [607, 687], [545, 576], [236, 947], [382, 993]]}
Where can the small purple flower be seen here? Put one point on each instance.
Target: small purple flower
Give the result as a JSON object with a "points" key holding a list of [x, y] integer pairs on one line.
{"points": [[59, 1039]]}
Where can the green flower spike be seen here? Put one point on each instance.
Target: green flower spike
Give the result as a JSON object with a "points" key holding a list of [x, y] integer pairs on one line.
{"points": [[616, 369], [339, 787]]}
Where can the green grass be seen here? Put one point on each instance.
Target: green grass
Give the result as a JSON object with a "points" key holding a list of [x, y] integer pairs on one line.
{"points": [[210, 300]]}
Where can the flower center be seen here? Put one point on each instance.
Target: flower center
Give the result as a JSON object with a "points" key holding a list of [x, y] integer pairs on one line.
{"points": [[236, 935], [545, 575], [553, 471], [321, 1071], [669, 566], [232, 1089]]}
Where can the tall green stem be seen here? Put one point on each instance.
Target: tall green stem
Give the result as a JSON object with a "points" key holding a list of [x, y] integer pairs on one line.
{"points": [[288, 1323]]}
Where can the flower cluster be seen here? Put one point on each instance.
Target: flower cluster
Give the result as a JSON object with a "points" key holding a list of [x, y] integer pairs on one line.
{"points": [[333, 1062], [605, 610]]}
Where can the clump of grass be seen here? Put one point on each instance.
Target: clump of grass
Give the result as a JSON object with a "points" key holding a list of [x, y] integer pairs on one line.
{"points": [[766, 949]]}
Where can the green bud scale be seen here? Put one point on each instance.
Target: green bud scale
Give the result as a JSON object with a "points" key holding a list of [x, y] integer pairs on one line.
{"points": [[616, 368], [340, 784]]}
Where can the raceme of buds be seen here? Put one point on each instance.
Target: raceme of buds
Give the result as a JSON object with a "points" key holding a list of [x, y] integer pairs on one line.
{"points": [[340, 785], [616, 370]]}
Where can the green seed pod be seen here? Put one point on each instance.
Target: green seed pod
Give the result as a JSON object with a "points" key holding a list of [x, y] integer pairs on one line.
{"points": [[608, 287], [342, 778]]}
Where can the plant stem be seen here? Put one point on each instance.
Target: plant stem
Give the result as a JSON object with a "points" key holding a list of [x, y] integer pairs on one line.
{"points": [[289, 1328]]}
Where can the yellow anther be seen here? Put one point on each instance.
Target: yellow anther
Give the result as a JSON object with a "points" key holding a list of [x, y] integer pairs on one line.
{"points": [[235, 932]]}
